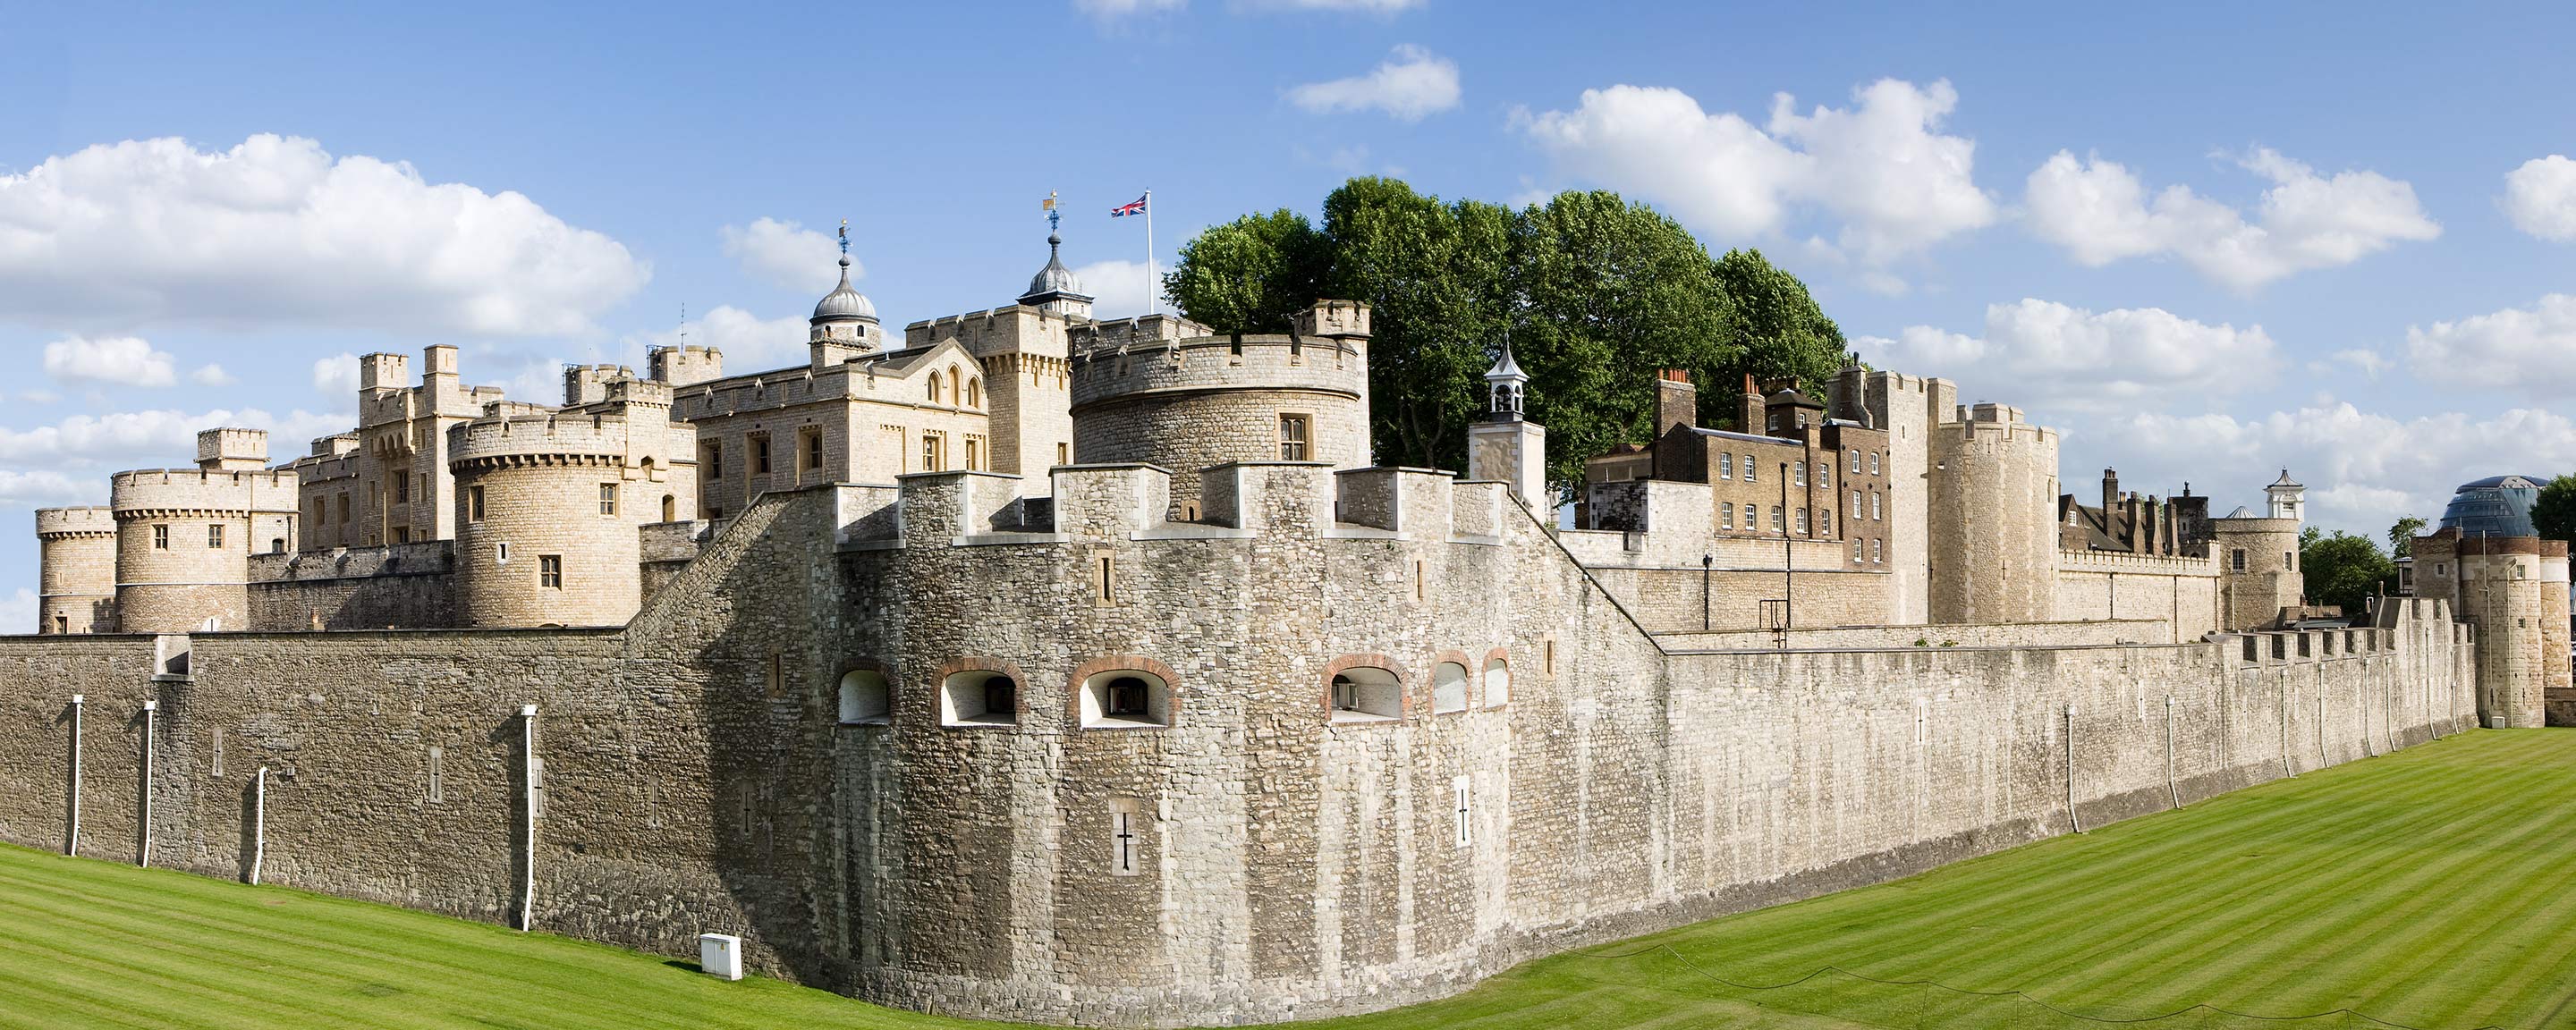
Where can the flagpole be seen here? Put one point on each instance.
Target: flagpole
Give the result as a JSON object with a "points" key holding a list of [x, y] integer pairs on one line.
{"points": [[1153, 296]]}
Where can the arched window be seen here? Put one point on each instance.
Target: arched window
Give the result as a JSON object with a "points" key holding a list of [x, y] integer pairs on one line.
{"points": [[865, 701], [979, 697], [934, 388], [1448, 688], [670, 508], [975, 392], [277, 546], [1498, 682], [1367, 694], [953, 390], [1125, 699]]}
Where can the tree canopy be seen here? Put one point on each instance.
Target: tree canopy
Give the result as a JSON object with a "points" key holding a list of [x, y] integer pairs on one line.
{"points": [[2344, 570], [2402, 534], [2553, 516], [1594, 293]]}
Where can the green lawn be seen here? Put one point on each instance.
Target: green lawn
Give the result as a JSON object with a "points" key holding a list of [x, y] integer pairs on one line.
{"points": [[2433, 888]]}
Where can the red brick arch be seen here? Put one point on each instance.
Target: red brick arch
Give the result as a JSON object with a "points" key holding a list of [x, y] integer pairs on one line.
{"points": [[1475, 674], [978, 663], [1113, 663], [1403, 679], [1510, 674]]}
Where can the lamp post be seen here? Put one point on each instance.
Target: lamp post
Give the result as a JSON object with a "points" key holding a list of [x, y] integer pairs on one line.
{"points": [[1707, 564]]}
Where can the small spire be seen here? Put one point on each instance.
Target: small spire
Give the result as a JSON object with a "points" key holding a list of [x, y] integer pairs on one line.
{"points": [[1506, 385]]}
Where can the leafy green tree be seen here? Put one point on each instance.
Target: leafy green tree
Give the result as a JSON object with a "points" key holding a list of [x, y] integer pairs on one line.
{"points": [[1777, 328], [1611, 292], [2401, 536], [1250, 275], [2554, 514], [2343, 569], [1436, 278]]}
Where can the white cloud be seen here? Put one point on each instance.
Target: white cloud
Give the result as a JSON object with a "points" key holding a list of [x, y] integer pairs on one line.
{"points": [[154, 439], [1109, 9], [1882, 167], [2099, 212], [2058, 359], [2532, 350], [277, 231], [1118, 288], [2356, 479], [2540, 197], [2368, 362], [1409, 85], [113, 361], [18, 613], [750, 343], [788, 254], [212, 375], [43, 488], [337, 375]]}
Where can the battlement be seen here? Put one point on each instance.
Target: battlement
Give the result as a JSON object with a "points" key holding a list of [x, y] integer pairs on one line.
{"points": [[232, 449], [1010, 328], [1136, 331], [2002, 422], [586, 384], [335, 445], [384, 372], [502, 437], [210, 490], [1202, 363], [684, 366], [1336, 318], [94, 520], [2140, 564]]}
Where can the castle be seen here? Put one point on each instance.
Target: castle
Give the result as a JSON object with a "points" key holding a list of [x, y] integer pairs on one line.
{"points": [[1050, 668]]}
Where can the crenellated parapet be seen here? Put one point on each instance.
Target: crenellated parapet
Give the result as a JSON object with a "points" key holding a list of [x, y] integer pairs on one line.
{"points": [[151, 493], [67, 523], [539, 439]]}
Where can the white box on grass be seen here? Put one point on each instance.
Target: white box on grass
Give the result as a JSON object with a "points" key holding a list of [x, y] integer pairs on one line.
{"points": [[720, 954]]}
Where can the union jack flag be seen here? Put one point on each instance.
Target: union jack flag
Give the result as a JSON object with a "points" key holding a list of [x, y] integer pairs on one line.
{"points": [[1136, 207]]}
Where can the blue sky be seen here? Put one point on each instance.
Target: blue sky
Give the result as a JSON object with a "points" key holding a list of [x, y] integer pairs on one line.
{"points": [[2205, 243]]}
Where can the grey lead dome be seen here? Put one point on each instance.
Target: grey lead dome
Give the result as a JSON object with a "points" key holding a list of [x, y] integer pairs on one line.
{"points": [[844, 301]]}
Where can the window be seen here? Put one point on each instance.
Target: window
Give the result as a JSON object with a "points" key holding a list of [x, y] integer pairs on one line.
{"points": [[711, 455], [975, 393], [402, 487], [501, 553], [1460, 835], [865, 700], [1802, 520], [979, 698], [1878, 552], [1104, 580], [1367, 694], [160, 538], [1825, 521], [1748, 468], [955, 391], [550, 571], [1448, 688], [934, 388], [474, 504], [1126, 699], [760, 455], [215, 536], [608, 498], [1856, 559], [1064, 454], [1873, 506], [1498, 683], [1825, 475], [670, 508], [2236, 561], [402, 534], [317, 512], [812, 439], [1854, 463], [1726, 515], [1855, 506], [1777, 526], [974, 454], [277, 546], [437, 774], [344, 509], [1798, 474], [1123, 822], [1726, 466], [1293, 442], [2290, 560], [934, 452]]}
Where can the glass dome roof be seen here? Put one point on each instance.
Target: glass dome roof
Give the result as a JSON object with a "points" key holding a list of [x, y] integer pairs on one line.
{"points": [[2494, 506]]}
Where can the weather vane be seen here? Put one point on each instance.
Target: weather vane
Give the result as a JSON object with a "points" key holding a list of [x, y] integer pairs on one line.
{"points": [[1053, 216], [845, 237]]}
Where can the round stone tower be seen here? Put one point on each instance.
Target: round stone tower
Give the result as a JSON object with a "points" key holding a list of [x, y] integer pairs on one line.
{"points": [[2258, 558], [76, 570], [548, 505], [1162, 391], [1990, 499], [184, 537]]}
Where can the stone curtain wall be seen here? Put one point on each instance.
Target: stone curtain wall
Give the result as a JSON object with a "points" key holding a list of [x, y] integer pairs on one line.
{"points": [[696, 778], [2181, 591], [408, 585]]}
